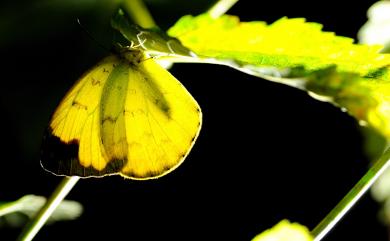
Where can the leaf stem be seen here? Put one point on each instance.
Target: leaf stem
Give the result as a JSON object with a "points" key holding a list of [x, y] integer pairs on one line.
{"points": [[52, 203], [221, 7], [352, 197], [9, 208], [139, 13]]}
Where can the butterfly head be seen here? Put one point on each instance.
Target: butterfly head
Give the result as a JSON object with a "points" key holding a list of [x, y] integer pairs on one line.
{"points": [[130, 54]]}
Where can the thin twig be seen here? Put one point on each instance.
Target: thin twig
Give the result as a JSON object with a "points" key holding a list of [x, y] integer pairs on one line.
{"points": [[352, 197], [52, 203], [139, 13], [9, 208], [221, 7]]}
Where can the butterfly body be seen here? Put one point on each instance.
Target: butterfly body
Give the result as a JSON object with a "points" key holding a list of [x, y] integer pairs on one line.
{"points": [[126, 116]]}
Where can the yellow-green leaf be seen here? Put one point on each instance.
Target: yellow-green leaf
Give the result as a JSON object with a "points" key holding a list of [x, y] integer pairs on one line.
{"points": [[285, 43], [285, 231], [330, 68]]}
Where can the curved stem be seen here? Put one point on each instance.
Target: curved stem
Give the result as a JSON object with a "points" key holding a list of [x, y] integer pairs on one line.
{"points": [[221, 7], [52, 203], [352, 197], [139, 13]]}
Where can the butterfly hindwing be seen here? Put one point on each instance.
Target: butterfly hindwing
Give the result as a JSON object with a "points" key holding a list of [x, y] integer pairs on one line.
{"points": [[160, 112], [125, 117]]}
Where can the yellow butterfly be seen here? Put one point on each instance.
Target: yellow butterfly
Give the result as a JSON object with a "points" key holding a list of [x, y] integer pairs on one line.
{"points": [[127, 116]]}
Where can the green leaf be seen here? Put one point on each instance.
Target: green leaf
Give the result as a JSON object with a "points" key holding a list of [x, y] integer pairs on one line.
{"points": [[285, 231], [291, 51], [285, 43], [15, 212], [154, 41]]}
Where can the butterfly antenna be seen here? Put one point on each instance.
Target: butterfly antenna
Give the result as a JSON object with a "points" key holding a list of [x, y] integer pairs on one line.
{"points": [[91, 36]]}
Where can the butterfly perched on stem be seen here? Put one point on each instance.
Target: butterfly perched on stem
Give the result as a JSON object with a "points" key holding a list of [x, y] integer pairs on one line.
{"points": [[127, 115]]}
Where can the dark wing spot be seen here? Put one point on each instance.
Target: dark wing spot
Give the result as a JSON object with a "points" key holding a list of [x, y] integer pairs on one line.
{"points": [[163, 107], [57, 156], [109, 119], [138, 176], [145, 79], [128, 112], [61, 158], [147, 175], [115, 165], [167, 168], [79, 105], [95, 81]]}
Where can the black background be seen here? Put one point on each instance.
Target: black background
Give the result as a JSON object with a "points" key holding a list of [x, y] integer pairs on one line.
{"points": [[266, 152]]}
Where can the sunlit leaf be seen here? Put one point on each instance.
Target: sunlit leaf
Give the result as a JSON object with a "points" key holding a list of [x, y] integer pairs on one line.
{"points": [[285, 43], [285, 231], [294, 52]]}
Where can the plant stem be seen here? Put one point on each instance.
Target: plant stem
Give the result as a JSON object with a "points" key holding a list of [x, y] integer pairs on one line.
{"points": [[139, 13], [352, 197], [9, 208], [221, 7], [52, 203]]}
